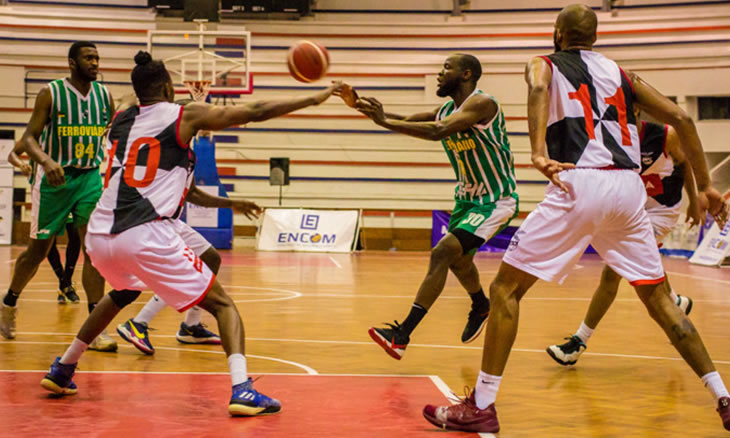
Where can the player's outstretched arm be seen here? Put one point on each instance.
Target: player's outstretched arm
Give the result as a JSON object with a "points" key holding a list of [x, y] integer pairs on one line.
{"points": [[478, 109], [15, 160], [351, 98], [209, 117], [672, 146], [204, 199], [30, 145], [538, 75]]}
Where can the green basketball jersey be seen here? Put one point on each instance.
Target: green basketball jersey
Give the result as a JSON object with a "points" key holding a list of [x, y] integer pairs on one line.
{"points": [[481, 158], [74, 134]]}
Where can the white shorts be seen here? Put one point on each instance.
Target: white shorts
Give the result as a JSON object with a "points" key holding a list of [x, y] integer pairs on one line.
{"points": [[663, 219], [152, 255], [192, 238], [604, 208]]}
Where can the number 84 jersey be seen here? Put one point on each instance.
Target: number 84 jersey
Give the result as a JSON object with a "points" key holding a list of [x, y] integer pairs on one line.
{"points": [[149, 169], [591, 122]]}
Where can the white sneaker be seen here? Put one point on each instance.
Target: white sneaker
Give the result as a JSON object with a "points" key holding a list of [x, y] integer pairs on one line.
{"points": [[103, 342], [684, 303], [7, 321]]}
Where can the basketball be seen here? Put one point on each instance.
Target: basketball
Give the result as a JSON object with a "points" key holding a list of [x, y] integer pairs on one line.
{"points": [[308, 61]]}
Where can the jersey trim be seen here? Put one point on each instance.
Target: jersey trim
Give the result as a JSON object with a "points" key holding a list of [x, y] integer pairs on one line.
{"points": [[546, 59], [628, 79], [177, 129]]}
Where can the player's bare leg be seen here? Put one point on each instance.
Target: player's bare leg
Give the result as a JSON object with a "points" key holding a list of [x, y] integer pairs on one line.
{"points": [[26, 267], [94, 287], [468, 275], [569, 352], [245, 401], [685, 338], [447, 253]]}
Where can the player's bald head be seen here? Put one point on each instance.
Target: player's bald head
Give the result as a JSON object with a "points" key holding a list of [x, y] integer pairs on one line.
{"points": [[576, 25]]}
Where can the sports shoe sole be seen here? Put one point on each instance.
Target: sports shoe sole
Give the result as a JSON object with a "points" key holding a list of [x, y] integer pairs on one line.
{"points": [[689, 306], [384, 344], [239, 410], [453, 426], [478, 332], [199, 341], [124, 334], [559, 360], [50, 385]]}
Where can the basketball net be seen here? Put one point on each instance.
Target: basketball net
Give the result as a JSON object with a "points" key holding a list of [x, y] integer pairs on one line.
{"points": [[199, 89]]}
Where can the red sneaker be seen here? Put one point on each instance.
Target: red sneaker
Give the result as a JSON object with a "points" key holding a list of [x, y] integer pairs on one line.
{"points": [[464, 416], [723, 408]]}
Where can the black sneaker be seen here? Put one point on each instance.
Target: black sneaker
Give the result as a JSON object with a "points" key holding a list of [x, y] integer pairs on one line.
{"points": [[475, 323], [391, 339], [196, 334], [568, 353], [71, 294]]}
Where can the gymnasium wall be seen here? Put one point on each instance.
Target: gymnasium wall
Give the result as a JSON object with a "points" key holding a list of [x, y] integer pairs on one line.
{"points": [[339, 158]]}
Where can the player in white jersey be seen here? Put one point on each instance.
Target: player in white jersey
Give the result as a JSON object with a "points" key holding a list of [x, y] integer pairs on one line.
{"points": [[585, 141], [664, 172], [131, 243]]}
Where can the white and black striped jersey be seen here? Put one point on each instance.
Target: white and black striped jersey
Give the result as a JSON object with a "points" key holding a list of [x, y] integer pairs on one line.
{"points": [[591, 122], [149, 169], [663, 180]]}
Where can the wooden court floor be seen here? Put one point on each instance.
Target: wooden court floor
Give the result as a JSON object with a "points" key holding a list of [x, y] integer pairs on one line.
{"points": [[309, 313]]}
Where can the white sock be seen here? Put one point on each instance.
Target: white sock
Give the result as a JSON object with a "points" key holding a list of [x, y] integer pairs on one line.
{"points": [[713, 382], [192, 316], [584, 332], [150, 310], [486, 389], [237, 364], [74, 351], [673, 296]]}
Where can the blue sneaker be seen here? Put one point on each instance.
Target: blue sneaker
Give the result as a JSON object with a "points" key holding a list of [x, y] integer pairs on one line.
{"points": [[247, 402], [136, 334], [196, 334], [58, 380]]}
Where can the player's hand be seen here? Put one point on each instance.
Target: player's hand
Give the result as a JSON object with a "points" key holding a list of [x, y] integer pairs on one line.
{"points": [[248, 208], [348, 95], [551, 169], [695, 215], [54, 173], [25, 169], [372, 108], [329, 91], [711, 200]]}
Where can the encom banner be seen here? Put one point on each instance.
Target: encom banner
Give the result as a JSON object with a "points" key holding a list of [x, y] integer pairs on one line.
{"points": [[308, 230]]}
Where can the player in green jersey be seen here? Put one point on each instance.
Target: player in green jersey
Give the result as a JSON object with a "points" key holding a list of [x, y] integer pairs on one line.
{"points": [[472, 130], [64, 138]]}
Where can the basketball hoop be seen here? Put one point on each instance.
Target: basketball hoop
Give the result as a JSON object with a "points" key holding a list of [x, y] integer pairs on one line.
{"points": [[198, 89]]}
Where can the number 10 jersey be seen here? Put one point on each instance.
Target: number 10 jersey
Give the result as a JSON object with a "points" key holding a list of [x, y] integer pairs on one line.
{"points": [[149, 169], [591, 122]]}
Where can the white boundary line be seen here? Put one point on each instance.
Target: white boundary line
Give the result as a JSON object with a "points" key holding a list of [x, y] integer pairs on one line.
{"points": [[335, 262], [336, 342], [449, 394]]}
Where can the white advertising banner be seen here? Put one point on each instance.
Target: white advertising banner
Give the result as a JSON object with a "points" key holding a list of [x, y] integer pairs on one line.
{"points": [[205, 217], [6, 145], [308, 230], [715, 247], [6, 215]]}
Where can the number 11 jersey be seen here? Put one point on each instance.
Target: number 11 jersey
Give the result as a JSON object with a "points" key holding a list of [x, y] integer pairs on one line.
{"points": [[149, 169], [591, 122]]}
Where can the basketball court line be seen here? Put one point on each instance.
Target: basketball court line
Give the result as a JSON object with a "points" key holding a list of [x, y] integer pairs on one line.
{"points": [[336, 342], [335, 262]]}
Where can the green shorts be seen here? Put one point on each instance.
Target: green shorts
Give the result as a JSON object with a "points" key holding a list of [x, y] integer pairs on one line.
{"points": [[51, 206], [483, 220]]}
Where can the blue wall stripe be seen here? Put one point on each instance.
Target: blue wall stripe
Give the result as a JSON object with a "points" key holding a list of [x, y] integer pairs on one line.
{"points": [[347, 179], [395, 49], [229, 54], [94, 5]]}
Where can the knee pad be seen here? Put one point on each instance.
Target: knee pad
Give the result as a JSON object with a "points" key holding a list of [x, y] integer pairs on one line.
{"points": [[122, 298]]}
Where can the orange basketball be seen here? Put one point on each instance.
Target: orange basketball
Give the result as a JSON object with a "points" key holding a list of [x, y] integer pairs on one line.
{"points": [[308, 61]]}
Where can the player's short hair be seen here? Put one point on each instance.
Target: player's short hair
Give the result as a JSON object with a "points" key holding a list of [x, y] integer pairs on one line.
{"points": [[75, 49], [470, 62], [148, 76]]}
